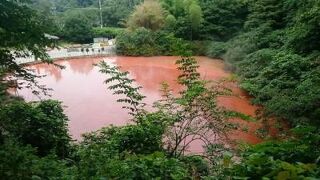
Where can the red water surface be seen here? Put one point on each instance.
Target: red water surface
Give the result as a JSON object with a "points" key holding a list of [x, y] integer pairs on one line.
{"points": [[90, 105]]}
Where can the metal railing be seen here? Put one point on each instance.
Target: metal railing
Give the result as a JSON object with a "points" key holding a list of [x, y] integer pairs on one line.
{"points": [[71, 52]]}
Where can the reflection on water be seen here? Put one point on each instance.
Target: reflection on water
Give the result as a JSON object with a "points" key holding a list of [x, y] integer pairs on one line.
{"points": [[90, 105]]}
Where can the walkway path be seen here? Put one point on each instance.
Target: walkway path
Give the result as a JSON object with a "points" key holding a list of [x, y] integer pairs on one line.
{"points": [[72, 52]]}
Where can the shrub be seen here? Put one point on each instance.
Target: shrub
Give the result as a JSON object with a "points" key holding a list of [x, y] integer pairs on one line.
{"points": [[199, 48], [134, 139], [216, 49], [130, 152], [21, 162], [77, 29], [284, 82], [294, 158], [143, 42], [223, 19], [149, 14], [109, 32], [41, 125], [153, 166]]}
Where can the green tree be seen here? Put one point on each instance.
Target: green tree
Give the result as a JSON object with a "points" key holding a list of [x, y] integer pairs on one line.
{"points": [[21, 34], [84, 3], [78, 29], [195, 17], [110, 32], [115, 12], [46, 12], [188, 15], [170, 22], [149, 15], [143, 42], [223, 19], [270, 12], [21, 162], [304, 35]]}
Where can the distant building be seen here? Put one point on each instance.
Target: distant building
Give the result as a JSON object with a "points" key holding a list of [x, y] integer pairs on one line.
{"points": [[100, 40], [51, 37], [111, 42]]}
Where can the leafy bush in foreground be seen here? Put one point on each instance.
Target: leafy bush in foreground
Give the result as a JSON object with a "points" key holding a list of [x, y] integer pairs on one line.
{"points": [[42, 125], [295, 158], [129, 152], [21, 162]]}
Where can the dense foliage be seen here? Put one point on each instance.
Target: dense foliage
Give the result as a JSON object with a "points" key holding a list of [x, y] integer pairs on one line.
{"points": [[184, 18], [21, 34], [223, 19], [149, 15], [73, 20], [109, 32], [41, 125], [294, 158], [276, 54], [21, 162], [281, 72], [78, 28], [144, 42], [172, 22]]}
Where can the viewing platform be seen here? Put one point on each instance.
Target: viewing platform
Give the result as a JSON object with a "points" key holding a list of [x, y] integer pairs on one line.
{"points": [[70, 52]]}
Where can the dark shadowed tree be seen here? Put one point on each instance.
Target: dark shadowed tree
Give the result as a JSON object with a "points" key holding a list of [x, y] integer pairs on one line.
{"points": [[21, 34]]}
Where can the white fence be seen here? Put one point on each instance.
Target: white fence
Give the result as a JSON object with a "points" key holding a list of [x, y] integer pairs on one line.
{"points": [[71, 52]]}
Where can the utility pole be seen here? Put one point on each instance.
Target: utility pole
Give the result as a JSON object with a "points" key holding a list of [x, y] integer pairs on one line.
{"points": [[101, 22]]}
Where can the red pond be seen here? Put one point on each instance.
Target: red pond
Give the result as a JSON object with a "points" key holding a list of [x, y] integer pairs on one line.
{"points": [[90, 105]]}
